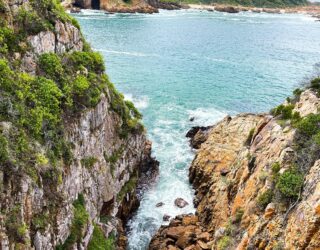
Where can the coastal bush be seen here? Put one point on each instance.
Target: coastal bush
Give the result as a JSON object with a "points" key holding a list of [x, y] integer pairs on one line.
{"points": [[127, 188], [79, 221], [3, 149], [51, 66], [16, 228], [265, 198], [309, 125], [92, 61], [31, 23], [40, 221], [9, 41], [315, 84], [89, 161], [52, 10], [289, 183], [285, 111], [2, 7], [224, 242], [100, 242], [238, 215], [297, 92], [250, 136]]}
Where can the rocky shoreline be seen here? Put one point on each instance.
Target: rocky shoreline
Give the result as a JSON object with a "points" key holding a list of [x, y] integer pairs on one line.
{"points": [[313, 10], [243, 175], [153, 6]]}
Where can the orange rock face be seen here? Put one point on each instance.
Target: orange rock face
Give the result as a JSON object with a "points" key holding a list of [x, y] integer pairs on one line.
{"points": [[238, 203]]}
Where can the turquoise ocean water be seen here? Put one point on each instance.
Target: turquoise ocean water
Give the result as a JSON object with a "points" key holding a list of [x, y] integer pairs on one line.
{"points": [[180, 64]]}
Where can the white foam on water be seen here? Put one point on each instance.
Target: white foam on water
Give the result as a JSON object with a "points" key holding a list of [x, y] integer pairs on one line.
{"points": [[206, 117], [128, 53], [171, 148], [141, 102]]}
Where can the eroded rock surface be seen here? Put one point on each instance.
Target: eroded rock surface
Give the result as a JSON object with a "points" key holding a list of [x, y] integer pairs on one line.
{"points": [[233, 173]]}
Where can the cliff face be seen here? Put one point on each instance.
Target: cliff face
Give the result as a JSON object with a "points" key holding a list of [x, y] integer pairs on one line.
{"points": [[257, 182], [71, 149], [129, 6]]}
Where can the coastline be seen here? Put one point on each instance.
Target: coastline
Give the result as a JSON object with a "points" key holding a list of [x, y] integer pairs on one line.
{"points": [[308, 10]]}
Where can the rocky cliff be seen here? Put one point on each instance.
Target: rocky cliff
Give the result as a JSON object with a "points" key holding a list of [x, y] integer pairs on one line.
{"points": [[121, 6], [257, 181], [71, 148]]}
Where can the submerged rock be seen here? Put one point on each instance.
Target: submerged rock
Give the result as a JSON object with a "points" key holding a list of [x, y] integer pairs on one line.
{"points": [[166, 217], [160, 204]]}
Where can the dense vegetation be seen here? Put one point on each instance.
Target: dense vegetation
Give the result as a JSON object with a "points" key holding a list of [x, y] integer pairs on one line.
{"points": [[35, 108], [287, 186]]}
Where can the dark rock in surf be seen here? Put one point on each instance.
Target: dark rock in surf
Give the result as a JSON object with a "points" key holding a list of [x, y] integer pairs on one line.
{"points": [[181, 203]]}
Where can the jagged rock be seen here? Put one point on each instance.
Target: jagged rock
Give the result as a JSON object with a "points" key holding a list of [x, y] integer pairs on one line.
{"points": [[269, 211], [166, 217], [181, 203], [230, 175], [205, 237], [228, 9], [203, 245], [198, 135], [160, 204], [219, 232]]}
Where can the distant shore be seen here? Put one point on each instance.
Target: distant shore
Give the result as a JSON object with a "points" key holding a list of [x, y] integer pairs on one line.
{"points": [[309, 10]]}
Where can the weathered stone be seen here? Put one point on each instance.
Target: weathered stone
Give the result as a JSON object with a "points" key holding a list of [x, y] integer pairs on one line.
{"points": [[166, 217], [181, 203], [160, 204]]}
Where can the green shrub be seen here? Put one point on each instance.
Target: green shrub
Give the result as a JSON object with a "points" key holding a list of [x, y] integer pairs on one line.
{"points": [[265, 198], [316, 138], [275, 167], [31, 23], [290, 183], [89, 161], [92, 61], [15, 227], [9, 42], [309, 125], [3, 8], [238, 215], [250, 136], [297, 92], [40, 221], [80, 219], [51, 65], [315, 83], [81, 85], [224, 242], [127, 188], [3, 149], [22, 230], [100, 242], [285, 111]]}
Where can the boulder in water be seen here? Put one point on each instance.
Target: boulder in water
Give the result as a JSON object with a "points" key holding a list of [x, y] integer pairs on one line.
{"points": [[160, 204], [181, 203], [166, 217]]}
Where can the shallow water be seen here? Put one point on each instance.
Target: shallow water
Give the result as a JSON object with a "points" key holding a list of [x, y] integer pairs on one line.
{"points": [[180, 64]]}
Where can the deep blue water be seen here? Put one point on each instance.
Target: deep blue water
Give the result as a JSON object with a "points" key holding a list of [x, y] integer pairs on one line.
{"points": [[181, 64]]}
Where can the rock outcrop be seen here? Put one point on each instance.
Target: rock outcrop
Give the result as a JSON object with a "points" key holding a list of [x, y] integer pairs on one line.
{"points": [[72, 151], [257, 184], [121, 6]]}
